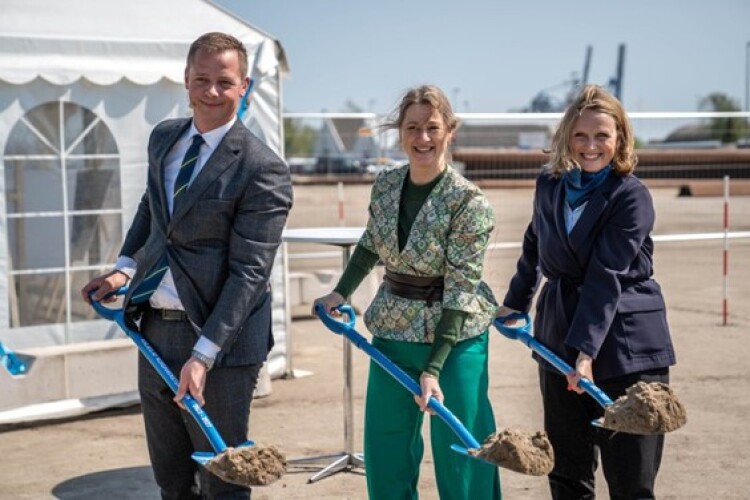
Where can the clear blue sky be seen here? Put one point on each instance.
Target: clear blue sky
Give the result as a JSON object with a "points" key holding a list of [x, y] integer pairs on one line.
{"points": [[495, 55]]}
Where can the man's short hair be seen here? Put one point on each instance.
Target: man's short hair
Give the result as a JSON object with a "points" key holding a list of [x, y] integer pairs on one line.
{"points": [[219, 42]]}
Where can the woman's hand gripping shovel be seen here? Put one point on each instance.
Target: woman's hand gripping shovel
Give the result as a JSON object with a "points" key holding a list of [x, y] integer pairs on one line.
{"points": [[646, 408], [535, 459], [247, 464]]}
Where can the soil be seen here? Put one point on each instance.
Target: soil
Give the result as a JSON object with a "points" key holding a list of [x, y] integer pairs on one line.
{"points": [[518, 451], [249, 465], [646, 408]]}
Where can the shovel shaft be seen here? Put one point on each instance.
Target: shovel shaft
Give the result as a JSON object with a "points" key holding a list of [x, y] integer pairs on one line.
{"points": [[401, 376], [195, 410], [523, 334]]}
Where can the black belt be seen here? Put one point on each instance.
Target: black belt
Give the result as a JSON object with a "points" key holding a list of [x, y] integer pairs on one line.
{"points": [[429, 289], [169, 314]]}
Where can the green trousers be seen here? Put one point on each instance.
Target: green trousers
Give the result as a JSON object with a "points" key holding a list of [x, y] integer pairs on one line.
{"points": [[393, 424]]}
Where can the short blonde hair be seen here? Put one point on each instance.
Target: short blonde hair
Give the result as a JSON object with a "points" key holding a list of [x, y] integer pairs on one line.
{"points": [[594, 98]]}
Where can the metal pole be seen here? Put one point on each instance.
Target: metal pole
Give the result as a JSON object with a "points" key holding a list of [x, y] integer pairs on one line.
{"points": [[289, 372], [348, 406], [725, 302], [747, 76]]}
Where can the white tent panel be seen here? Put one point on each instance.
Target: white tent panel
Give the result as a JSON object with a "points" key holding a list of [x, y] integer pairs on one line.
{"points": [[117, 67]]}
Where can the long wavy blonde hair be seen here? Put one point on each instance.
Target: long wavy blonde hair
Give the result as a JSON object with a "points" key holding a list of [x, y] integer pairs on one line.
{"points": [[593, 98]]}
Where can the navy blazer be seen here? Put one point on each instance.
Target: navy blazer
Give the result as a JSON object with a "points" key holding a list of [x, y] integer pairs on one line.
{"points": [[599, 297], [221, 240]]}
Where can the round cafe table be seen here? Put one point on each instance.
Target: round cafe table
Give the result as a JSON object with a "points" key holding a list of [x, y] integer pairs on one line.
{"points": [[345, 238]]}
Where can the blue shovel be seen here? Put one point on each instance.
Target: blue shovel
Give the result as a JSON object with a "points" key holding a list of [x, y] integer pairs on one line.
{"points": [[16, 364], [523, 333], [645, 424], [195, 410], [347, 329]]}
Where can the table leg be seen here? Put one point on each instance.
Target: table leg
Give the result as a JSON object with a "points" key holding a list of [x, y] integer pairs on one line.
{"points": [[348, 459]]}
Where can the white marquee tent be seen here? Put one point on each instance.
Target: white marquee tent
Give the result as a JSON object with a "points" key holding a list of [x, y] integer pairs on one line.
{"points": [[82, 83]]}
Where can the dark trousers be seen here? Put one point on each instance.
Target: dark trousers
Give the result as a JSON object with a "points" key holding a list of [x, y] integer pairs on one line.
{"points": [[630, 462], [171, 433]]}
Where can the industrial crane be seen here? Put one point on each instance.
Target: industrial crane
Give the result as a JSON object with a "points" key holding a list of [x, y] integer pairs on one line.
{"points": [[545, 102]]}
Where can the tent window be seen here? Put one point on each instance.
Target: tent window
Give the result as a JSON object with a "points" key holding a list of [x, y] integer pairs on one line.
{"points": [[64, 212]]}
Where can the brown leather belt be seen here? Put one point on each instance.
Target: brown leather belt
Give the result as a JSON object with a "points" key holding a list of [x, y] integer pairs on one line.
{"points": [[169, 314], [427, 288]]}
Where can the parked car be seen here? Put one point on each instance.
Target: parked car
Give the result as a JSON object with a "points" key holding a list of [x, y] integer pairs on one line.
{"points": [[338, 165]]}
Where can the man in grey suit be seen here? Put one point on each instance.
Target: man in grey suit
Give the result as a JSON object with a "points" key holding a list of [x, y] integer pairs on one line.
{"points": [[198, 257]]}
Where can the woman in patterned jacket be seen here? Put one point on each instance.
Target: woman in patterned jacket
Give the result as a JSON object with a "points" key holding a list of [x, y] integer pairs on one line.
{"points": [[430, 228]]}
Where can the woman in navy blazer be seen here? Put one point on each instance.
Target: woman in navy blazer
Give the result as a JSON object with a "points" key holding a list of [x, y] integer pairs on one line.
{"points": [[599, 308]]}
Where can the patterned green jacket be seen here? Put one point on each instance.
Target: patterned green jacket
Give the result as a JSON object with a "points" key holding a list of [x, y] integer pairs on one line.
{"points": [[448, 238]]}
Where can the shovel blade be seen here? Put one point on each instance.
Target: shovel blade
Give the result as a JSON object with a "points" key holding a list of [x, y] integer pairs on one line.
{"points": [[465, 452], [203, 457], [16, 364]]}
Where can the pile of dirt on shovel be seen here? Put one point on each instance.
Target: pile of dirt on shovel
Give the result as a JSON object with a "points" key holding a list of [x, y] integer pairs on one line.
{"points": [[249, 465], [519, 452], [646, 408]]}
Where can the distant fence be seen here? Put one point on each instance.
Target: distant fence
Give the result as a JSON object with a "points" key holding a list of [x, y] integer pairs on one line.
{"points": [[652, 163], [352, 146]]}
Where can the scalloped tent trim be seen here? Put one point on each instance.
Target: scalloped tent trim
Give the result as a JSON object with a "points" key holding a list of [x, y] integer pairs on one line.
{"points": [[140, 40]]}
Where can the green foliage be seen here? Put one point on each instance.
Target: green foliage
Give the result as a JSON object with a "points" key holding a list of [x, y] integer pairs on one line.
{"points": [[299, 139], [727, 130]]}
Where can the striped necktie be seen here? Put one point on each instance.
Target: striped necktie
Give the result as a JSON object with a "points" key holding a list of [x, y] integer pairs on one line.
{"points": [[186, 169], [151, 282]]}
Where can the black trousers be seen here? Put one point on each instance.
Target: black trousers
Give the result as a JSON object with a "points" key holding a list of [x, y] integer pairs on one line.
{"points": [[630, 462], [172, 434]]}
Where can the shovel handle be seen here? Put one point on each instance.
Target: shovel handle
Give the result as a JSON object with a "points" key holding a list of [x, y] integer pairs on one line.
{"points": [[347, 329], [195, 410], [523, 334]]}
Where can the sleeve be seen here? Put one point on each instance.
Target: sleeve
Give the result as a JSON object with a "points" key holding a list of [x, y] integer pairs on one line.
{"points": [[141, 225], [126, 265], [467, 241], [139, 229], [367, 242], [617, 246], [254, 238], [446, 335], [360, 264], [524, 283]]}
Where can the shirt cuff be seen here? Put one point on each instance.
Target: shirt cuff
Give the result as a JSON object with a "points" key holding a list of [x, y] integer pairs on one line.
{"points": [[206, 347], [126, 265]]}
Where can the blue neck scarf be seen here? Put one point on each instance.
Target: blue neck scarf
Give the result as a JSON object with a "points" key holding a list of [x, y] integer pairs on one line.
{"points": [[579, 185]]}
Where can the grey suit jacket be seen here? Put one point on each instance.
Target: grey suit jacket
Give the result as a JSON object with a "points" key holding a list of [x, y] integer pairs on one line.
{"points": [[221, 240]]}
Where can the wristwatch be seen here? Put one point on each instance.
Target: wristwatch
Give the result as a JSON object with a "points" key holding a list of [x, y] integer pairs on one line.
{"points": [[206, 360]]}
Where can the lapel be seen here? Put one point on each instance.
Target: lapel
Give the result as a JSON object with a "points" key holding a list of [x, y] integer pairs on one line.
{"points": [[164, 147], [391, 206], [427, 211], [583, 231], [558, 204], [220, 160]]}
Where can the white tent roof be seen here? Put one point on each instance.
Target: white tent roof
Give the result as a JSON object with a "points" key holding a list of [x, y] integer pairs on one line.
{"points": [[106, 40]]}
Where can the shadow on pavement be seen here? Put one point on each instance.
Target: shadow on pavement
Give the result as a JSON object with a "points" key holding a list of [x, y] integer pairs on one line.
{"points": [[131, 483]]}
